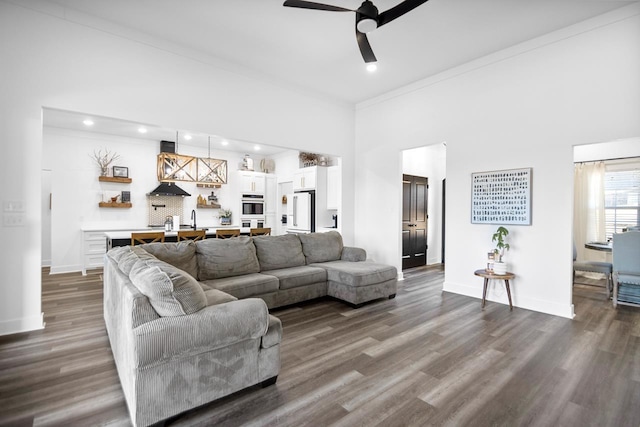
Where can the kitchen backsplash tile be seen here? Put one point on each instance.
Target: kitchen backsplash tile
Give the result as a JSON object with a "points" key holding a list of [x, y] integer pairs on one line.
{"points": [[160, 207]]}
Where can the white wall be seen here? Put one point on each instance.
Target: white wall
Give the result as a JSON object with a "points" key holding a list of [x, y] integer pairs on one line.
{"points": [[430, 162], [526, 106], [49, 61], [45, 201], [607, 150]]}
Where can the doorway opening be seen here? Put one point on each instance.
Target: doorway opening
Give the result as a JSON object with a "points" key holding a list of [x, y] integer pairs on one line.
{"points": [[606, 201], [422, 228], [415, 216]]}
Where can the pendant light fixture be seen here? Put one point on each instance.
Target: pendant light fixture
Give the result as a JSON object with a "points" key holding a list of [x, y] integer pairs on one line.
{"points": [[212, 172], [175, 167], [204, 171]]}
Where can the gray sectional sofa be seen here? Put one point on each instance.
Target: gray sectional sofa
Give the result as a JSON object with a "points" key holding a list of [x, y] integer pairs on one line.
{"points": [[188, 322]]}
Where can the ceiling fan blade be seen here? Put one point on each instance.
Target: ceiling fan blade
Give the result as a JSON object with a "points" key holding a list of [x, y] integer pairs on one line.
{"points": [[365, 47], [397, 11], [317, 6]]}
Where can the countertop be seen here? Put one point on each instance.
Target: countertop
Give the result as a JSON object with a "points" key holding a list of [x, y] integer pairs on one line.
{"points": [[126, 234], [130, 227]]}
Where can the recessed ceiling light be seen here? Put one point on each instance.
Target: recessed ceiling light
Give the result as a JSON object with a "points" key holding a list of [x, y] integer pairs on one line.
{"points": [[224, 142], [371, 67], [88, 122], [188, 137], [256, 147], [142, 130]]}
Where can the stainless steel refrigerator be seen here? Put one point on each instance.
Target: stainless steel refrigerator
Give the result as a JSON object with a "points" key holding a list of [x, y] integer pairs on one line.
{"points": [[301, 212]]}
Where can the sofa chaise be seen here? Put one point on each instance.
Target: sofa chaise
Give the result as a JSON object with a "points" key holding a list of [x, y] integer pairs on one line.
{"points": [[188, 322]]}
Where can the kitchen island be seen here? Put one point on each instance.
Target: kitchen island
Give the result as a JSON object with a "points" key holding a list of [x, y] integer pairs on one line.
{"points": [[123, 237]]}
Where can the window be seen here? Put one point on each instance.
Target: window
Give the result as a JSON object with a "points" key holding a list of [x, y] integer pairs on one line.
{"points": [[622, 200]]}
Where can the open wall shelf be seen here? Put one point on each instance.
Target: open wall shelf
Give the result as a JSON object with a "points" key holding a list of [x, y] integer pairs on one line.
{"points": [[114, 205], [214, 206], [114, 179]]}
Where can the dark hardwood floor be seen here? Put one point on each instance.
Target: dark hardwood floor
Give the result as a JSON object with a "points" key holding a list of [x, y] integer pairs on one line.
{"points": [[424, 358]]}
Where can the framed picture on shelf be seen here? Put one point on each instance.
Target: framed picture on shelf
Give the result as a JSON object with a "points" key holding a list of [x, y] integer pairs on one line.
{"points": [[120, 172], [125, 196]]}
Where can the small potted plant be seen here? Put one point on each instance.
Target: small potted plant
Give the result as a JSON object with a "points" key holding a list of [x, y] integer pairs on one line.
{"points": [[500, 267], [225, 216]]}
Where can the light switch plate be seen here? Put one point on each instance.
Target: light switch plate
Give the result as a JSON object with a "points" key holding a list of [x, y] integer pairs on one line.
{"points": [[14, 219], [13, 206]]}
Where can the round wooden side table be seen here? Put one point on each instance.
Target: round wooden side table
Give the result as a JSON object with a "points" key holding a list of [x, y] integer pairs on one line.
{"points": [[490, 275]]}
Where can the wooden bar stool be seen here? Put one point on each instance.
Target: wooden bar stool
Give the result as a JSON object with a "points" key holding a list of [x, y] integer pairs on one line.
{"points": [[266, 231], [191, 235], [147, 237], [225, 233]]}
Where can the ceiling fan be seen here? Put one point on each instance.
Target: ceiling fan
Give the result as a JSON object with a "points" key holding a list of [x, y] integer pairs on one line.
{"points": [[367, 18]]}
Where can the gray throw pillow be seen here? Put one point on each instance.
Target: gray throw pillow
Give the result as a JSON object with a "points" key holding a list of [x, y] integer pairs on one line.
{"points": [[219, 258], [275, 252], [321, 247], [130, 256], [178, 254], [171, 291]]}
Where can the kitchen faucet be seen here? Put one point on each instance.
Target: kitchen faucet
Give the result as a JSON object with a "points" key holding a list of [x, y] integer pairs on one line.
{"points": [[193, 218]]}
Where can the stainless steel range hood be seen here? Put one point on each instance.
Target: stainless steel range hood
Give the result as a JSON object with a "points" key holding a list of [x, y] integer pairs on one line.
{"points": [[168, 189]]}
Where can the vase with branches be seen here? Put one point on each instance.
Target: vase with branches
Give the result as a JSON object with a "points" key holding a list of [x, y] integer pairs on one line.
{"points": [[104, 160]]}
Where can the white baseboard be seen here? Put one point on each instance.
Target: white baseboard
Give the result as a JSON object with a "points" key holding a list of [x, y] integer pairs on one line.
{"points": [[65, 269], [499, 295], [25, 324]]}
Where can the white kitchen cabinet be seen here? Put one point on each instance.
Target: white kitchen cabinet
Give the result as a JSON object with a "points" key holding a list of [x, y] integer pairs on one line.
{"points": [[270, 222], [305, 179], [94, 246], [252, 182], [271, 194], [333, 187]]}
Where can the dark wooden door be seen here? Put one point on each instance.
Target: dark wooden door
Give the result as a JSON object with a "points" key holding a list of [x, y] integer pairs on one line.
{"points": [[414, 220]]}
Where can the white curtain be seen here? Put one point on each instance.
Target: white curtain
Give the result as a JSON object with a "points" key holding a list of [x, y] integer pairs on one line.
{"points": [[588, 209]]}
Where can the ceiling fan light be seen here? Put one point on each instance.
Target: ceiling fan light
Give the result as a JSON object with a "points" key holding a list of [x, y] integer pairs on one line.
{"points": [[366, 25]]}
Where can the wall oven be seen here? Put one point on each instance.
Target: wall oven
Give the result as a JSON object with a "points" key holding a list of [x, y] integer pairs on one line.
{"points": [[252, 205], [252, 223]]}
